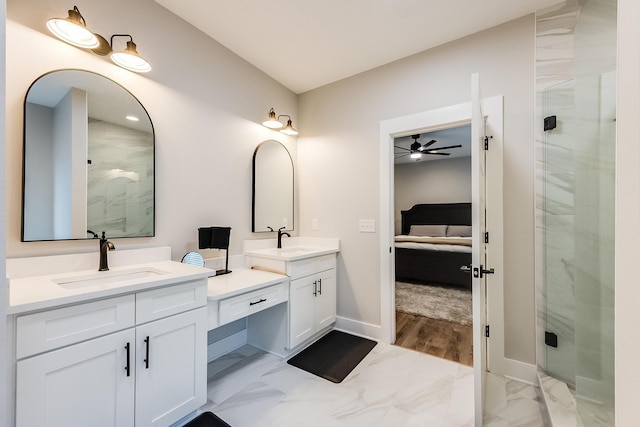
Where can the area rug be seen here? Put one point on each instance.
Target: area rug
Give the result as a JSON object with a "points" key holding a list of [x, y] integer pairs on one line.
{"points": [[435, 302], [207, 419], [333, 356]]}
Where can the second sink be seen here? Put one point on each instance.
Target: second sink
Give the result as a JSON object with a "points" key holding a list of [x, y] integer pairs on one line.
{"points": [[102, 278]]}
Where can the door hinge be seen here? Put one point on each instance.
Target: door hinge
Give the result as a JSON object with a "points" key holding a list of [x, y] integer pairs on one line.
{"points": [[486, 331], [486, 237], [550, 339], [549, 123], [486, 141]]}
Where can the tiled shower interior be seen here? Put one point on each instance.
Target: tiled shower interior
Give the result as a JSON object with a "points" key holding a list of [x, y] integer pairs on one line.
{"points": [[575, 166]]}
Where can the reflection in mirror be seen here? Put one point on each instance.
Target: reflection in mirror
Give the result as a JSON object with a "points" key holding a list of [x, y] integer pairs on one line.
{"points": [[272, 187], [88, 160]]}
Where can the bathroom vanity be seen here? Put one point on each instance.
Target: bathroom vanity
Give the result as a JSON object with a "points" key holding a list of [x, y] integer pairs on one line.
{"points": [[124, 347]]}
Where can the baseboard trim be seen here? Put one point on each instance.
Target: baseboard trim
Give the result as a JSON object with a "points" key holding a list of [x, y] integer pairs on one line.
{"points": [[521, 371], [226, 345], [356, 327]]}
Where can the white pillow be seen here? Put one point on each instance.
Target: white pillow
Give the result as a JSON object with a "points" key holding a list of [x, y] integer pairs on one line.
{"points": [[428, 230]]}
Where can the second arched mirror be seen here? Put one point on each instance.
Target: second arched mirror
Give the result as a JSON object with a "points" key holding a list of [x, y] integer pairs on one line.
{"points": [[272, 187]]}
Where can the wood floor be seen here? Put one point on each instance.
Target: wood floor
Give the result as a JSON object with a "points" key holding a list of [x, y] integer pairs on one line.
{"points": [[436, 337]]}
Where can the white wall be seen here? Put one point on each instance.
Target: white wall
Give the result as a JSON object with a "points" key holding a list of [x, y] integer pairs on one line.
{"points": [[205, 102], [338, 161], [435, 181], [627, 291]]}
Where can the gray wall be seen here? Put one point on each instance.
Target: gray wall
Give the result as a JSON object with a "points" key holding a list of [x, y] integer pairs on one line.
{"points": [[206, 105], [338, 161], [435, 181]]}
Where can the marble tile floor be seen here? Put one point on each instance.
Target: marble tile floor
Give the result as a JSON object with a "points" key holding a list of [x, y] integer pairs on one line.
{"points": [[392, 386]]}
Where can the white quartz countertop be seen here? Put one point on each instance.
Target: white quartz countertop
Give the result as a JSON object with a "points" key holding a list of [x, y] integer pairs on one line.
{"points": [[45, 291], [293, 248], [240, 281]]}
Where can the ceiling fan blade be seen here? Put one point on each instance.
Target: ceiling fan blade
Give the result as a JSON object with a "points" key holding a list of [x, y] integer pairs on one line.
{"points": [[401, 148], [401, 156], [436, 153], [442, 148], [433, 141]]}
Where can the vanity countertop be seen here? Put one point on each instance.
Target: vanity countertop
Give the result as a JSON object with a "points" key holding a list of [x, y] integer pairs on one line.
{"points": [[239, 281], [48, 290], [293, 248]]}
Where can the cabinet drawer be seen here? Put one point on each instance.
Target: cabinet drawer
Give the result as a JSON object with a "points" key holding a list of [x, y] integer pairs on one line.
{"points": [[240, 306], [163, 302], [57, 328], [305, 267]]}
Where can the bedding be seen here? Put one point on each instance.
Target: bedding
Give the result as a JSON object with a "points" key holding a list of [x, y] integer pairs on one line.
{"points": [[435, 243]]}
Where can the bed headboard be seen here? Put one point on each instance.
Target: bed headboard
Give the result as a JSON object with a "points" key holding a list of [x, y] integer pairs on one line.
{"points": [[436, 214]]}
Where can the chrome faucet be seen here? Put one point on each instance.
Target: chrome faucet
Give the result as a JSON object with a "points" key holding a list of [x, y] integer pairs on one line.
{"points": [[104, 246], [280, 234]]}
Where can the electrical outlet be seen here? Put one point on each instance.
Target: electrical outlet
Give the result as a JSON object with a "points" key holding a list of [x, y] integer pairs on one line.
{"points": [[367, 226], [314, 224]]}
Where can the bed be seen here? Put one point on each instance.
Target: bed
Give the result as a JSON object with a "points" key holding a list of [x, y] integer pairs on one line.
{"points": [[421, 258]]}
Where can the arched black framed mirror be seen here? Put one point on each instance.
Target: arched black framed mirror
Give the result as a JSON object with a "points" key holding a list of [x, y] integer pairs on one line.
{"points": [[272, 187], [89, 160]]}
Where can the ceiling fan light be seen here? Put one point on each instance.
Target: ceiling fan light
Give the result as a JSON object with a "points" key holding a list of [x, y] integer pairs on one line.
{"points": [[73, 30], [272, 121], [416, 155]]}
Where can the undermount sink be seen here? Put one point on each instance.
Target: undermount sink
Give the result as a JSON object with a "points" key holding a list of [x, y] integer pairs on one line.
{"points": [[107, 277]]}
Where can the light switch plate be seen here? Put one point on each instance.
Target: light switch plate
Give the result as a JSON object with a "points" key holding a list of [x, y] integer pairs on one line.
{"points": [[314, 224], [367, 226]]}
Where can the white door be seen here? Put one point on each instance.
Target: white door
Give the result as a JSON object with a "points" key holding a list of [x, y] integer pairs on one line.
{"points": [[85, 384], [171, 377]]}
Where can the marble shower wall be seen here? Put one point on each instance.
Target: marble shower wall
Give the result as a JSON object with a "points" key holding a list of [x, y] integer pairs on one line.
{"points": [[120, 181], [575, 171]]}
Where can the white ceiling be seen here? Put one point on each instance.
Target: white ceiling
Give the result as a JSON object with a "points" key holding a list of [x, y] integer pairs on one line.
{"points": [[308, 44]]}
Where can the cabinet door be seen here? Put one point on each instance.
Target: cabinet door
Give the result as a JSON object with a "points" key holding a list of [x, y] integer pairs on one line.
{"points": [[301, 302], [171, 377], [325, 309], [84, 384]]}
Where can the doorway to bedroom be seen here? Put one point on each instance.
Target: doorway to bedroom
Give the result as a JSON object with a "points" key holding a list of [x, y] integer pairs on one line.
{"points": [[432, 218]]}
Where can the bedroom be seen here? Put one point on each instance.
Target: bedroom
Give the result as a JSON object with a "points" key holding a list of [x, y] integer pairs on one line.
{"points": [[432, 192]]}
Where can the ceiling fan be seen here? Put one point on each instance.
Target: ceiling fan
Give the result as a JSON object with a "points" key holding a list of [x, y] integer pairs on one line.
{"points": [[417, 150]]}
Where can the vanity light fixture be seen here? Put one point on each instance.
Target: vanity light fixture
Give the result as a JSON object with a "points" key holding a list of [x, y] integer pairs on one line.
{"points": [[288, 129], [129, 59], [273, 122], [73, 30]]}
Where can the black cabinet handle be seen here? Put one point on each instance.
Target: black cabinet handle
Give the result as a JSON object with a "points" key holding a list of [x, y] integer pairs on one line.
{"points": [[127, 368], [319, 286], [257, 302], [315, 288], [146, 360]]}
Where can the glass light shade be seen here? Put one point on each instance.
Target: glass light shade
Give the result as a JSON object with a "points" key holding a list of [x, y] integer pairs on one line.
{"points": [[288, 129], [416, 155], [130, 60], [73, 30], [272, 121]]}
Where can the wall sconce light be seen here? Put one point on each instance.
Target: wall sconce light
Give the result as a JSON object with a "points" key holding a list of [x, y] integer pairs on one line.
{"points": [[273, 122], [73, 30]]}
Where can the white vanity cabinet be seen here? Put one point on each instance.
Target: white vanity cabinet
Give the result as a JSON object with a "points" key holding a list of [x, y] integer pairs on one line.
{"points": [[133, 360], [312, 289]]}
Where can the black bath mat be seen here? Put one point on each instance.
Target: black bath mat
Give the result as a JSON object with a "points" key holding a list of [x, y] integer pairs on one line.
{"points": [[206, 419], [333, 356]]}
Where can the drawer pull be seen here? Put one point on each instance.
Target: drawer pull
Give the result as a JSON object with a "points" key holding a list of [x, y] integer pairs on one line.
{"points": [[319, 286], [315, 288], [257, 302], [146, 360], [127, 368]]}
